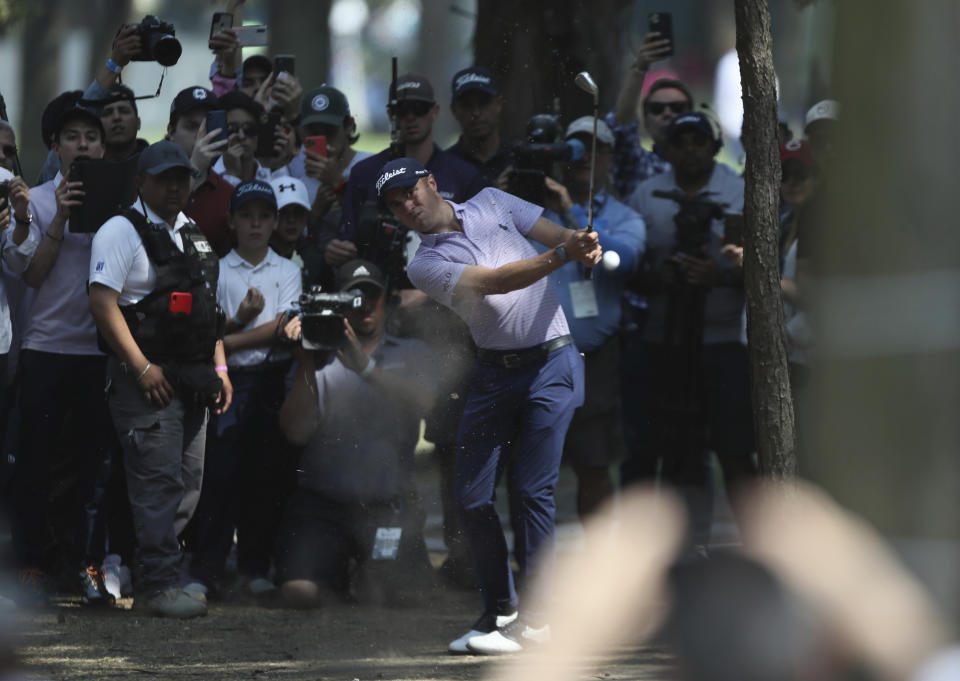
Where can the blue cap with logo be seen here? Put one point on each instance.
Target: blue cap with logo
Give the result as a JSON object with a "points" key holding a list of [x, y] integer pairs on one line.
{"points": [[692, 119], [402, 172], [250, 191], [473, 78]]}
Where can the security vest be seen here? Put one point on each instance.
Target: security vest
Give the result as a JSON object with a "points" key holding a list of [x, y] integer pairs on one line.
{"points": [[180, 319]]}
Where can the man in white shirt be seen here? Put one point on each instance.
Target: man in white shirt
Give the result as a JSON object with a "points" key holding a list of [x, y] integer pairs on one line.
{"points": [[152, 292], [61, 368]]}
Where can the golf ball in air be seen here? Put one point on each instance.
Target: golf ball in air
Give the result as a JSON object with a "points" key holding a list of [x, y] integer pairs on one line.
{"points": [[611, 261]]}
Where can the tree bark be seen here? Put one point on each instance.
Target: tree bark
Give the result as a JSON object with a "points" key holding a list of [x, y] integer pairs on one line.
{"points": [[302, 29], [769, 372]]}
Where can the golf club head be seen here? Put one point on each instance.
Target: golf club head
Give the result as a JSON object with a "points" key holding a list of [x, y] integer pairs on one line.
{"points": [[586, 83]]}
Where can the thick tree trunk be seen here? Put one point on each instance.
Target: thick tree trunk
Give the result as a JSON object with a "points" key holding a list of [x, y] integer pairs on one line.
{"points": [[103, 32], [303, 30], [770, 377]]}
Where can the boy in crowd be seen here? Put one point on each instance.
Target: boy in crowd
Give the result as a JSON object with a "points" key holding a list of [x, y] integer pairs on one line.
{"points": [[246, 471]]}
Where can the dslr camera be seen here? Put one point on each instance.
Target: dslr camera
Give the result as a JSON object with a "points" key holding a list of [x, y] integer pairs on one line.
{"points": [[536, 156], [322, 316], [158, 42]]}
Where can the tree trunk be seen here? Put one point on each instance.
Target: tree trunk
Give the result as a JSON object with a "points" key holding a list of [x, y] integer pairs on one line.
{"points": [[302, 29], [43, 30], [534, 49], [770, 377], [103, 32]]}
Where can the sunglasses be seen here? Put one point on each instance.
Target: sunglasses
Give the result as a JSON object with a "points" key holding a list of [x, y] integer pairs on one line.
{"points": [[404, 109], [249, 129], [8, 150], [657, 108]]}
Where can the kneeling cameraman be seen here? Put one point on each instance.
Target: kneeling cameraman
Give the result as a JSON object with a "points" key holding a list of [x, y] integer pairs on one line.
{"points": [[358, 418]]}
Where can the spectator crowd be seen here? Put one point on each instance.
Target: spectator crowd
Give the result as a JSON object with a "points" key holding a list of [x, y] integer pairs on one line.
{"points": [[215, 365]]}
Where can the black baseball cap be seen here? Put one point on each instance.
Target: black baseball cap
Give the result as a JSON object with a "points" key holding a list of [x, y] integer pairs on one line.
{"points": [[161, 156], [401, 172], [473, 78], [360, 272], [251, 190], [73, 107], [413, 88], [691, 120], [324, 104], [257, 61], [191, 98]]}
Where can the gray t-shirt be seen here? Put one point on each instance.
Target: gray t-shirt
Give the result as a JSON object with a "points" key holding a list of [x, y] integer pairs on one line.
{"points": [[723, 313], [363, 448]]}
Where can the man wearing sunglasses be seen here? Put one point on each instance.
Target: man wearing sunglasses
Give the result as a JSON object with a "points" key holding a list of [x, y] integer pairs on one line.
{"points": [[415, 110], [666, 99], [239, 163]]}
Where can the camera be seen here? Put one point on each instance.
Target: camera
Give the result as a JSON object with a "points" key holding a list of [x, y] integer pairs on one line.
{"points": [[536, 156], [692, 221], [382, 240], [322, 315], [157, 42]]}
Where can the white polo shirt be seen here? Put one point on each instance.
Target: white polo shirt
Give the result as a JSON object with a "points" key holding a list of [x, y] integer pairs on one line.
{"points": [[277, 278], [263, 173], [118, 258], [59, 319]]}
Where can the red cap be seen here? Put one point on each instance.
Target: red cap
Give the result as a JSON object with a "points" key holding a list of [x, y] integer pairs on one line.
{"points": [[799, 150]]}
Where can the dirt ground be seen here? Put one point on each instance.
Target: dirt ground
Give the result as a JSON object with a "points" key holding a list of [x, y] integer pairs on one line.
{"points": [[341, 642]]}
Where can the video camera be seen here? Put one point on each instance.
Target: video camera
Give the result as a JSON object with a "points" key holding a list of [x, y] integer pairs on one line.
{"points": [[321, 317], [382, 239], [535, 157], [158, 42], [692, 221]]}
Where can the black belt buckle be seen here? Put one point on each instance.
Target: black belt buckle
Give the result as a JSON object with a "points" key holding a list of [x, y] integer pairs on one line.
{"points": [[512, 361]]}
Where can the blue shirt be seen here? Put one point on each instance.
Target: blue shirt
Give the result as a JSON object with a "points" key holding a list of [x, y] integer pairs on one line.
{"points": [[621, 230], [495, 226], [457, 180]]}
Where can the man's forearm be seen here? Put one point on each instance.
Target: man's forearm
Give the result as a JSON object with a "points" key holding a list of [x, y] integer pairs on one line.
{"points": [[46, 255], [113, 327], [485, 281], [257, 337], [625, 110], [299, 416]]}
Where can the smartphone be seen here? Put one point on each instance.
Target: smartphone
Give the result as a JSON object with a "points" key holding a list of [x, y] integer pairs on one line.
{"points": [[180, 302], [221, 20], [733, 229], [267, 135], [251, 36], [317, 144], [284, 62], [217, 119], [5, 186], [662, 23]]}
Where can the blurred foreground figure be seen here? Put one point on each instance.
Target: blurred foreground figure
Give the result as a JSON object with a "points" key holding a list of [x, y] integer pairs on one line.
{"points": [[816, 596]]}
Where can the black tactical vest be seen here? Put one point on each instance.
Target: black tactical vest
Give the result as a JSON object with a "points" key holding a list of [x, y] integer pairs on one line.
{"points": [[163, 335]]}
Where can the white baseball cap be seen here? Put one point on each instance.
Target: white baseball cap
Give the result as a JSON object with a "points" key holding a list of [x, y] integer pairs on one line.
{"points": [[584, 124], [828, 109], [290, 190]]}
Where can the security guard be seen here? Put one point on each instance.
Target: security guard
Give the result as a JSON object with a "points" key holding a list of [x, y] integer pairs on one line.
{"points": [[153, 282]]}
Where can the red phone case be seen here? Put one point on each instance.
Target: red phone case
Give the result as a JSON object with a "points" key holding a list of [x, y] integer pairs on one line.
{"points": [[181, 302], [317, 144]]}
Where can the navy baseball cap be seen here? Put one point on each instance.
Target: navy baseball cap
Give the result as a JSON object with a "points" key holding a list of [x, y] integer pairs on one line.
{"points": [[401, 172], [251, 190], [473, 78], [693, 119], [161, 156]]}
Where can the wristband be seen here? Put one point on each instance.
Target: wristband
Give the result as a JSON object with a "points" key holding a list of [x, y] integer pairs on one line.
{"points": [[220, 368], [367, 370], [144, 372], [114, 66]]}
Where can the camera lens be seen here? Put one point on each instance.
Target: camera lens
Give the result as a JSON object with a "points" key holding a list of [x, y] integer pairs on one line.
{"points": [[167, 50]]}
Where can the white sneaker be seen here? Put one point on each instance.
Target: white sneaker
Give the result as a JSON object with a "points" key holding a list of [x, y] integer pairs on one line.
{"points": [[509, 639], [197, 591], [486, 624], [111, 574], [260, 587]]}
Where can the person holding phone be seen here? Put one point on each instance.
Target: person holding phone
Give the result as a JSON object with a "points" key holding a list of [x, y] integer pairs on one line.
{"points": [[62, 369], [239, 163], [152, 291]]}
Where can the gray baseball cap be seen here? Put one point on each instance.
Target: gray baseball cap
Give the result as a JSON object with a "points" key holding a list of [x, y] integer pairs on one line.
{"points": [[161, 156]]}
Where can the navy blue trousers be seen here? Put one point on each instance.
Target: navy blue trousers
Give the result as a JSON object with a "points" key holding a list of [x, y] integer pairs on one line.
{"points": [[518, 417]]}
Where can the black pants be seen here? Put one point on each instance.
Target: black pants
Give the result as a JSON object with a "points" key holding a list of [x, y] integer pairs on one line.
{"points": [[64, 448]]}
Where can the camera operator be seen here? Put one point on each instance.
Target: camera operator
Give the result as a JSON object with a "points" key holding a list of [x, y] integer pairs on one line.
{"points": [[61, 367], [694, 356], [476, 104], [210, 193], [126, 46], [666, 99], [475, 259], [246, 467], [357, 418], [416, 111], [153, 278], [121, 122], [593, 309]]}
